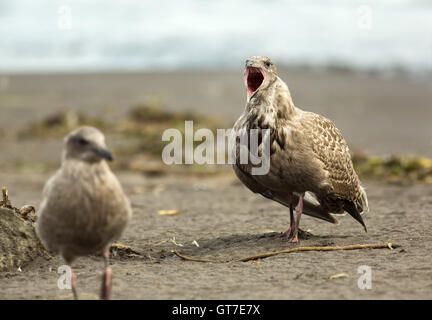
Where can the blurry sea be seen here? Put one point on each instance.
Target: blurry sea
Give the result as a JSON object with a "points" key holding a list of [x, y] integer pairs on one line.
{"points": [[100, 35]]}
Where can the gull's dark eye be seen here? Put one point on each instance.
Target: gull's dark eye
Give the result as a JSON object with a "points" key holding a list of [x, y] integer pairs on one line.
{"points": [[82, 141], [268, 64]]}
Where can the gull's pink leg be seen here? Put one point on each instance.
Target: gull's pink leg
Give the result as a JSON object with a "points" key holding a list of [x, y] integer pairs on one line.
{"points": [[292, 232], [290, 229], [105, 293], [73, 284], [287, 233], [298, 210]]}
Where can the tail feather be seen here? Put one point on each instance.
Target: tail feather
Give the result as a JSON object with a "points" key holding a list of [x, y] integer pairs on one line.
{"points": [[313, 208]]}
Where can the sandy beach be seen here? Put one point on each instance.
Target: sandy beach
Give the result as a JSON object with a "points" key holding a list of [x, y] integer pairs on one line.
{"points": [[218, 217]]}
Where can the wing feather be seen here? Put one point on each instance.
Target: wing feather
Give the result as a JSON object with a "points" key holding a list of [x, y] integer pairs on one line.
{"points": [[331, 149]]}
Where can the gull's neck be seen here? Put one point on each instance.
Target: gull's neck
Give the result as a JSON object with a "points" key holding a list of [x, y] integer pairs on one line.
{"points": [[274, 102]]}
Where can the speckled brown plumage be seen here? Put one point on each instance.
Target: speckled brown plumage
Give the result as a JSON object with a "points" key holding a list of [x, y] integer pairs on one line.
{"points": [[308, 155]]}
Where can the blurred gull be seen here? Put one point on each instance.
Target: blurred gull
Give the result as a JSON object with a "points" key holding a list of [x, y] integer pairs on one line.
{"points": [[84, 207]]}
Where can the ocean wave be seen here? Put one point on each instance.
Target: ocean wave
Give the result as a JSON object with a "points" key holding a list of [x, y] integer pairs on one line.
{"points": [[172, 35]]}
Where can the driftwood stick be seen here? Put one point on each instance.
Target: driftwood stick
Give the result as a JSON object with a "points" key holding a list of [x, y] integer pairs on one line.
{"points": [[388, 245], [178, 254], [327, 248]]}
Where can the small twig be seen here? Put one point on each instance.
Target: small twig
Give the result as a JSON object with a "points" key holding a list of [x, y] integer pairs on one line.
{"points": [[173, 240], [122, 249], [327, 248], [270, 254], [178, 254]]}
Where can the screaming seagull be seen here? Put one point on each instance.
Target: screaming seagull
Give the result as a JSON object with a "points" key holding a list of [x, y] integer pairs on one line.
{"points": [[310, 165]]}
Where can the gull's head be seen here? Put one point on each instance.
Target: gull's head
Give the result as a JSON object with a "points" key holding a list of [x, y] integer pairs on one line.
{"points": [[260, 72], [86, 144]]}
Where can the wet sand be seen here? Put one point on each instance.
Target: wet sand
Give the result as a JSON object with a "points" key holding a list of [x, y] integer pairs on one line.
{"points": [[227, 221], [379, 116]]}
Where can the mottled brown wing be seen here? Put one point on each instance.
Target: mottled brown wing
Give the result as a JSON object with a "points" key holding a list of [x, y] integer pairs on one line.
{"points": [[331, 149]]}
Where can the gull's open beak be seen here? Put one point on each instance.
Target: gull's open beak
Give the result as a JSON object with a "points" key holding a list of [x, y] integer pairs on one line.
{"points": [[254, 78], [104, 153]]}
